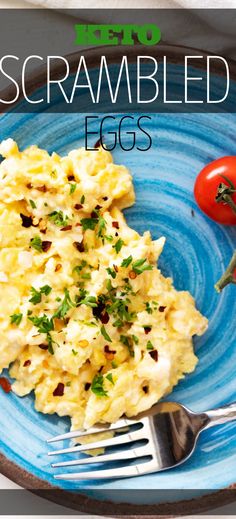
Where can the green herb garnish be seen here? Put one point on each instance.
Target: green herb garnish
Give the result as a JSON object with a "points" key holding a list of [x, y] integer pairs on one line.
{"points": [[65, 306], [126, 262], [16, 318], [97, 386], [44, 325], [58, 218], [150, 346], [118, 245], [140, 266], [72, 188], [127, 341], [111, 272], [37, 294], [110, 378], [88, 301], [105, 334], [33, 204], [89, 223], [36, 243]]}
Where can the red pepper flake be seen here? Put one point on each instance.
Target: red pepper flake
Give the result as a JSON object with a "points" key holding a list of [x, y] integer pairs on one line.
{"points": [[105, 198], [132, 274], [27, 363], [98, 207], [46, 245], [99, 142], [147, 329], [107, 349], [29, 185], [78, 207], [115, 268], [94, 214], [162, 308], [154, 355], [87, 385], [66, 228], [104, 318], [71, 177], [58, 267], [79, 246], [116, 225], [43, 189], [78, 224], [59, 391], [145, 389], [43, 346], [26, 220], [43, 231], [5, 384]]}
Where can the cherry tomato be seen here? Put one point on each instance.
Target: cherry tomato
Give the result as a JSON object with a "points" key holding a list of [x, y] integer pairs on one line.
{"points": [[206, 187]]}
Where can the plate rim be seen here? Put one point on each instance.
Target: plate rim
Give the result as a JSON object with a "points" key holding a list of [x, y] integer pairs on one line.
{"points": [[80, 501]]}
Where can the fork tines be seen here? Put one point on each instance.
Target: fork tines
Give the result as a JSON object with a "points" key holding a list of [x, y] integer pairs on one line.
{"points": [[133, 453]]}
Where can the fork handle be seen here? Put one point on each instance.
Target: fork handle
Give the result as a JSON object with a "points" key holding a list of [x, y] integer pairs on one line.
{"points": [[221, 415]]}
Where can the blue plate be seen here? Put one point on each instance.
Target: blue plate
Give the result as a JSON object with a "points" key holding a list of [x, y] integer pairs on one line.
{"points": [[196, 253]]}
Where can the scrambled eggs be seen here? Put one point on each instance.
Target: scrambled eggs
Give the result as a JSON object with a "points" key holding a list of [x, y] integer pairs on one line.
{"points": [[87, 321]]}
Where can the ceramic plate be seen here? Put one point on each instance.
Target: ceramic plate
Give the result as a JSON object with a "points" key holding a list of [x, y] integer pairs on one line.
{"points": [[195, 255]]}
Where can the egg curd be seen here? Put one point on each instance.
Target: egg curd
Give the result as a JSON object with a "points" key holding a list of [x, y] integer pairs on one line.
{"points": [[87, 321]]}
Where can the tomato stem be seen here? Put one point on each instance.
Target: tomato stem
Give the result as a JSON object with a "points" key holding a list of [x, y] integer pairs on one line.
{"points": [[225, 192], [228, 276], [228, 200]]}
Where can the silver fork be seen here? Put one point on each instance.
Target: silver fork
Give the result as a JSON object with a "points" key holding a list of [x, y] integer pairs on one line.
{"points": [[169, 431]]}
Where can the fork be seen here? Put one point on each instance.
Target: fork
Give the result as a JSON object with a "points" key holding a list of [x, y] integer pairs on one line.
{"points": [[168, 433]]}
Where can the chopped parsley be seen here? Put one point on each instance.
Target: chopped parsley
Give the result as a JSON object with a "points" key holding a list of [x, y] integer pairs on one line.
{"points": [[88, 301], [64, 306], [118, 245], [86, 275], [119, 308], [37, 294], [97, 385], [108, 238], [58, 218], [72, 188], [126, 262], [140, 266], [150, 346], [16, 318], [148, 306], [105, 334], [46, 289], [89, 223], [82, 200], [74, 352], [33, 204], [44, 325], [37, 243], [135, 339], [127, 341], [110, 378], [101, 226], [111, 272], [80, 267], [95, 220], [109, 285]]}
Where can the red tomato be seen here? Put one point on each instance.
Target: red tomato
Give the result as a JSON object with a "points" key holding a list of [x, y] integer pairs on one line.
{"points": [[206, 186]]}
